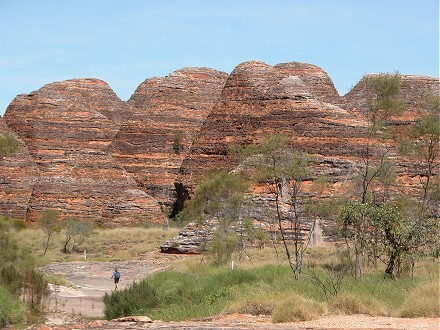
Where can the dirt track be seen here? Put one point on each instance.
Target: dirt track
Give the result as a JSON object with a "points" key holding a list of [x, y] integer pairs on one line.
{"points": [[91, 280]]}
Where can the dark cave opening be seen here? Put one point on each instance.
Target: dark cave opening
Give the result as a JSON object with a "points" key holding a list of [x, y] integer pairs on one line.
{"points": [[182, 194]]}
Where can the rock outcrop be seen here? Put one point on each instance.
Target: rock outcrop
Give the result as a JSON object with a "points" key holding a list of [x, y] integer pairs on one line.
{"points": [[414, 90], [167, 115], [18, 175], [92, 156], [259, 100], [68, 139], [191, 240]]}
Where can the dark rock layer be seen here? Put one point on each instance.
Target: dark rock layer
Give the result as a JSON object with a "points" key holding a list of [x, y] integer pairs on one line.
{"points": [[89, 155]]}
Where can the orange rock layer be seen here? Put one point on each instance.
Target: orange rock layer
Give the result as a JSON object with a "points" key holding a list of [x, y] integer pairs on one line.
{"points": [[92, 156]]}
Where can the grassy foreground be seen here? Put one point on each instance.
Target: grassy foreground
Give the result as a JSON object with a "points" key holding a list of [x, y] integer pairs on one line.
{"points": [[202, 290], [260, 283]]}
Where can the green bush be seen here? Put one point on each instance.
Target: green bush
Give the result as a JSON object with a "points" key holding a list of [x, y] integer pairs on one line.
{"points": [[11, 310], [270, 290], [221, 247], [9, 145], [138, 298], [17, 273], [172, 295]]}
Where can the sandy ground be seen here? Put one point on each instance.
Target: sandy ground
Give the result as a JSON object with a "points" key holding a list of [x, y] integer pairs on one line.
{"points": [[91, 280], [82, 302]]}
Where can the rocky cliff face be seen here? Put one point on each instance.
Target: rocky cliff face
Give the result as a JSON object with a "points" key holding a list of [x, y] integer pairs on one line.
{"points": [[167, 116], [18, 174], [259, 100], [92, 156], [68, 140], [414, 90]]}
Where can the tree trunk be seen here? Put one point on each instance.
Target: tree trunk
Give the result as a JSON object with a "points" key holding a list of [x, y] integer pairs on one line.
{"points": [[283, 237], [391, 264], [47, 244]]}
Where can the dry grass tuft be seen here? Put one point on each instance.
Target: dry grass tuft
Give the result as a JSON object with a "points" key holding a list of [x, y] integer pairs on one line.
{"points": [[259, 300], [127, 243], [297, 308], [422, 301], [349, 303]]}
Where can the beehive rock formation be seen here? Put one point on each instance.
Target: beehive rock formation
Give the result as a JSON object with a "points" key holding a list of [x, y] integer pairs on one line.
{"points": [[68, 139], [165, 109], [414, 90], [258, 100], [18, 175], [92, 156]]}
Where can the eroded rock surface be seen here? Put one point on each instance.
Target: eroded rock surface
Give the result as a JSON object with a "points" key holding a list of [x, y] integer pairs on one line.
{"points": [[66, 129], [92, 156], [167, 115], [18, 175]]}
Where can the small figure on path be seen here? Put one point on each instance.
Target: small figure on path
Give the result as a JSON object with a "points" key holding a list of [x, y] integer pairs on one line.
{"points": [[116, 276]]}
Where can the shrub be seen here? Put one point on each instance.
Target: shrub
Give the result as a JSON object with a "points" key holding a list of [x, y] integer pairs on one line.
{"points": [[178, 296], [221, 247], [348, 303], [9, 145], [132, 301], [11, 311], [17, 274], [297, 308]]}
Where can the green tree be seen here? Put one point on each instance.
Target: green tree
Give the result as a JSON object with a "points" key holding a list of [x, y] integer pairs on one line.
{"points": [[218, 198], [9, 145], [219, 195], [355, 224], [76, 232], [389, 231], [403, 235], [283, 172], [421, 144], [383, 100], [50, 224]]}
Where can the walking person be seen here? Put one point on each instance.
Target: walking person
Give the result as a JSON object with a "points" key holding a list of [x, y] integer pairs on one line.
{"points": [[116, 276]]}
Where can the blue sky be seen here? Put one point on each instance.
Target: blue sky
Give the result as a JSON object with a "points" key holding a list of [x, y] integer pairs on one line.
{"points": [[123, 42]]}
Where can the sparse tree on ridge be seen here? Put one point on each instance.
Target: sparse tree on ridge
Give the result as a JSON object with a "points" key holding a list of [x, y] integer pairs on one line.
{"points": [[383, 100], [421, 144]]}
